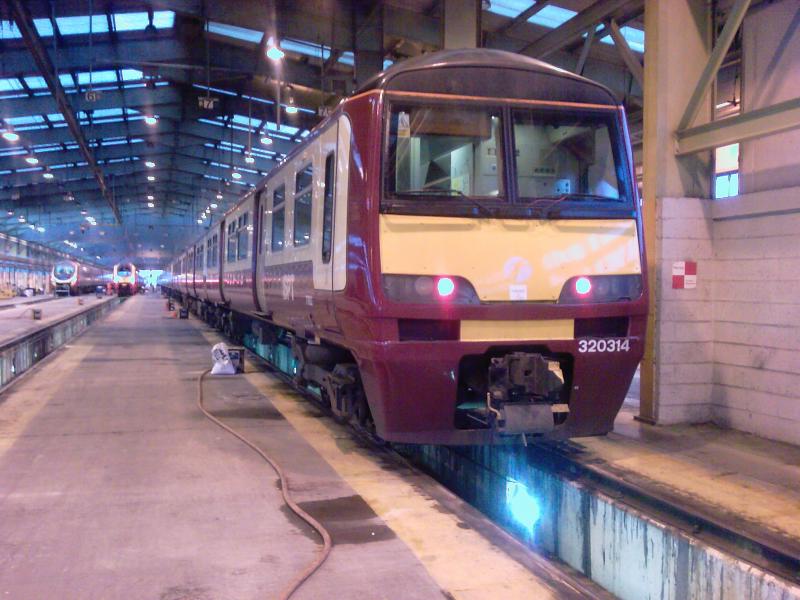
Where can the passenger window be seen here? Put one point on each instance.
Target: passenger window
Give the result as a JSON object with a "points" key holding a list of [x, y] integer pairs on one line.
{"points": [[230, 255], [243, 238], [278, 197], [327, 208], [302, 205]]}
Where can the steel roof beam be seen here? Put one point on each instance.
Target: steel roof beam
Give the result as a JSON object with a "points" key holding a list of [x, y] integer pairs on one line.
{"points": [[36, 47], [557, 38]]}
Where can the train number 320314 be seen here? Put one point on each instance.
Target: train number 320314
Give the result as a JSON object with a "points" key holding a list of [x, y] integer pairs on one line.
{"points": [[612, 345]]}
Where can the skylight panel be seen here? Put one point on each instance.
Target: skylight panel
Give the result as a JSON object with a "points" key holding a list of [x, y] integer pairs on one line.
{"points": [[9, 30], [10, 84], [509, 8], [240, 33], [29, 120], [387, 63], [634, 37], [283, 128], [552, 16], [162, 19], [107, 112], [55, 117], [218, 90], [347, 58], [35, 83], [44, 27], [97, 77], [131, 75], [66, 80], [80, 25], [252, 122]]}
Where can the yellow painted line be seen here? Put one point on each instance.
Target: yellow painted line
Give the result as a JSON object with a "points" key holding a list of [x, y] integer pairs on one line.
{"points": [[461, 561]]}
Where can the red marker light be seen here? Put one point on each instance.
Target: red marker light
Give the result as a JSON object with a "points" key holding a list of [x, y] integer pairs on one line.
{"points": [[445, 287], [583, 286]]}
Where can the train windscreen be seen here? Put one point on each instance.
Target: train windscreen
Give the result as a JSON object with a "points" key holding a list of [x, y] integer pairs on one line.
{"points": [[443, 159], [63, 270]]}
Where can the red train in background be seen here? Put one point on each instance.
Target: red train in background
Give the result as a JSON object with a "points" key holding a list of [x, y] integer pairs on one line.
{"points": [[72, 278], [455, 255]]}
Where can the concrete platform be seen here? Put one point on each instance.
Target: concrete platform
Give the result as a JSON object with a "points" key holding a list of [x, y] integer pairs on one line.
{"points": [[18, 321], [749, 479], [113, 485], [6, 303]]}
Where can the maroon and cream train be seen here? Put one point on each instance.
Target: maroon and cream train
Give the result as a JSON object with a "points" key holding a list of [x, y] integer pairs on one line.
{"points": [[455, 255]]}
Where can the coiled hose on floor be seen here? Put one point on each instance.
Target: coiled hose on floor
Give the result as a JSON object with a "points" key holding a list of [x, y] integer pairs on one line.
{"points": [[287, 497]]}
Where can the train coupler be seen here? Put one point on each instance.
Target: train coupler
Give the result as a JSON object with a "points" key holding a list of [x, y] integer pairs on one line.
{"points": [[523, 389]]}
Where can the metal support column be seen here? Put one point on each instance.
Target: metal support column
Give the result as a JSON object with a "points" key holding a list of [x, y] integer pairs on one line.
{"points": [[678, 34], [461, 24]]}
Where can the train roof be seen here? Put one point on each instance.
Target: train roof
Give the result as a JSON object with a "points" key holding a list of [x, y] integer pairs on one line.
{"points": [[552, 82]]}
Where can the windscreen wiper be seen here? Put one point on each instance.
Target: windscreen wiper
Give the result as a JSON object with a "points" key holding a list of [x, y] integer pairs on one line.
{"points": [[482, 208], [551, 201]]}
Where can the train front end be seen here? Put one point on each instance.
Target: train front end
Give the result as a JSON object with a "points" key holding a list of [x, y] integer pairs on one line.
{"points": [[64, 278], [124, 279], [511, 280]]}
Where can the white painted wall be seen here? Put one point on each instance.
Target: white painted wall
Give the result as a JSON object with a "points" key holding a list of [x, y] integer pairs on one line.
{"points": [[729, 351], [684, 333], [757, 313]]}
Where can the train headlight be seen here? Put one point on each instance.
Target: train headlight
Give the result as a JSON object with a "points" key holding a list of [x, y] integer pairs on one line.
{"points": [[427, 289], [588, 289]]}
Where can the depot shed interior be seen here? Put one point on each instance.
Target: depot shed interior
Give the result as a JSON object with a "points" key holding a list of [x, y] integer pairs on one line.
{"points": [[130, 126]]}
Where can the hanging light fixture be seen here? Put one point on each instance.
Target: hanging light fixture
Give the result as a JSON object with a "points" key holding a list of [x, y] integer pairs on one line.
{"points": [[31, 159], [274, 51], [47, 174], [290, 107], [10, 135], [150, 119]]}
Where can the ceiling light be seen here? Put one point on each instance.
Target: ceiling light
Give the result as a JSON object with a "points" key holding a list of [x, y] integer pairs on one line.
{"points": [[97, 257], [21, 218], [40, 229], [149, 164], [219, 196], [213, 205], [47, 175], [10, 135], [291, 108], [31, 225], [266, 140], [273, 50], [199, 221], [150, 197], [236, 175], [151, 205], [249, 159], [150, 120], [151, 178], [31, 160], [10, 213]]}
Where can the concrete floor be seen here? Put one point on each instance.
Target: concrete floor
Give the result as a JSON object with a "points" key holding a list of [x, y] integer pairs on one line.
{"points": [[19, 321], [113, 485]]}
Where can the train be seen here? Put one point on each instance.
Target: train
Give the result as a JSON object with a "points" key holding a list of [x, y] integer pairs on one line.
{"points": [[454, 255], [72, 278], [124, 279]]}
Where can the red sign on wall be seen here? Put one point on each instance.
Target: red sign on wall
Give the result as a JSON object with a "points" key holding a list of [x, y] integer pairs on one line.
{"points": [[684, 275]]}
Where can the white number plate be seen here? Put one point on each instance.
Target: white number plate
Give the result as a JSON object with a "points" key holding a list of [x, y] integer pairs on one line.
{"points": [[610, 345]]}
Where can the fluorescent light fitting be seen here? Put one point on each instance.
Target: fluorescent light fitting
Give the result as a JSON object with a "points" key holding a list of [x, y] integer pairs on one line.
{"points": [[150, 120], [149, 164], [40, 229], [249, 159], [10, 135], [273, 50]]}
